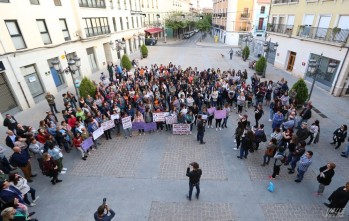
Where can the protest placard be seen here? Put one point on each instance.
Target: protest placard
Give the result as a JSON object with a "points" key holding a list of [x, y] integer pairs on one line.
{"points": [[150, 126], [126, 122], [204, 117], [138, 125], [115, 116], [159, 117], [220, 114], [211, 110], [179, 129], [97, 133], [108, 125], [171, 119], [86, 144]]}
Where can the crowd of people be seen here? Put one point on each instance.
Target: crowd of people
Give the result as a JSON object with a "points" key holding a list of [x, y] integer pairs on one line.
{"points": [[187, 94]]}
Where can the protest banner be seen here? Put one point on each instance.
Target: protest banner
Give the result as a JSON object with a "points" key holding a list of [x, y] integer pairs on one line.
{"points": [[86, 144], [97, 133], [211, 110], [204, 117], [108, 125], [126, 122], [159, 116], [150, 126], [171, 119], [138, 125], [115, 116], [220, 114], [180, 129]]}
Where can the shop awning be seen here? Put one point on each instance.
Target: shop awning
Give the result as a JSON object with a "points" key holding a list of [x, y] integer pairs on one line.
{"points": [[153, 30]]}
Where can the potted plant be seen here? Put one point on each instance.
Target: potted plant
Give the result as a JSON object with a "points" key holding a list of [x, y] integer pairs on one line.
{"points": [[87, 88], [335, 31], [301, 90], [245, 53], [144, 51], [260, 65], [125, 62]]}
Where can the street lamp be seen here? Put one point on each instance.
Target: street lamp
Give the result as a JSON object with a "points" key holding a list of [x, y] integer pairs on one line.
{"points": [[247, 38], [118, 46], [267, 48], [165, 34], [73, 65], [314, 70]]}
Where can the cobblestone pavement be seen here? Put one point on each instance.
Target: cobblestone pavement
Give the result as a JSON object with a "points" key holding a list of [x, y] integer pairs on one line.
{"points": [[181, 150], [118, 157], [297, 212], [191, 211]]}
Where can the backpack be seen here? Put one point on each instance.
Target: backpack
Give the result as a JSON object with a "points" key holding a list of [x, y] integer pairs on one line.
{"points": [[12, 162], [284, 159]]}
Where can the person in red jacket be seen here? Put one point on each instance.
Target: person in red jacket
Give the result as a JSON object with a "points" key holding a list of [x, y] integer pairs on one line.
{"points": [[77, 142]]}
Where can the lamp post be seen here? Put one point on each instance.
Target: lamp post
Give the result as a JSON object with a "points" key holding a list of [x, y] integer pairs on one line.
{"points": [[118, 46], [247, 38], [73, 65], [314, 70], [267, 48]]}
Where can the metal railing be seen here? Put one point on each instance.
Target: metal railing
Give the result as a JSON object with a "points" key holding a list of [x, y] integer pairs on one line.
{"points": [[335, 35], [92, 3], [245, 15], [281, 28], [260, 29], [280, 1], [101, 30]]}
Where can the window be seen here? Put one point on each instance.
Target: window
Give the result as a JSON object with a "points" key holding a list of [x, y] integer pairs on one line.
{"points": [[5, 1], [64, 28], [127, 24], [16, 35], [43, 31], [119, 4], [131, 5], [122, 25], [57, 2], [125, 4], [114, 24], [133, 23], [34, 2], [137, 22], [92, 3], [96, 26], [262, 9]]}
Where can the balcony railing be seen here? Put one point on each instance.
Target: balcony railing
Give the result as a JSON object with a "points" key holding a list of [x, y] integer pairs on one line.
{"points": [[281, 28], [245, 15], [97, 31], [275, 2], [260, 29], [92, 3], [335, 35]]}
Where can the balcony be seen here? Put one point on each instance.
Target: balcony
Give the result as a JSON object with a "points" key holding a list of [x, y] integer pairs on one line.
{"points": [[92, 3], [281, 29], [276, 2], [95, 31], [245, 15], [260, 29], [335, 35]]}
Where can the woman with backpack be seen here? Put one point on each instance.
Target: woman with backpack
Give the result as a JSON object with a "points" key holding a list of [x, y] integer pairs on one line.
{"points": [[269, 152], [280, 158]]}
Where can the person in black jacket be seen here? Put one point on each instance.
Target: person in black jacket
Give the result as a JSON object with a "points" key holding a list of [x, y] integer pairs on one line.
{"points": [[339, 135], [339, 199], [201, 130], [305, 114], [10, 122], [194, 179], [325, 177]]}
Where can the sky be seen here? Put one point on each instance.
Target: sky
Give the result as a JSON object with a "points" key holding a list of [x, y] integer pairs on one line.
{"points": [[206, 3]]}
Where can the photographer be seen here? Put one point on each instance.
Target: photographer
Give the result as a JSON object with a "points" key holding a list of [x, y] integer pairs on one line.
{"points": [[104, 213], [194, 179]]}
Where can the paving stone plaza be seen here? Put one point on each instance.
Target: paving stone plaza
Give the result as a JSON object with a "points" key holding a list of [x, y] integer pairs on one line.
{"points": [[143, 177]]}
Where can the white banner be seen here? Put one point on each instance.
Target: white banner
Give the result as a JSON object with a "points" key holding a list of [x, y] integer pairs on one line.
{"points": [[108, 125], [159, 116], [171, 119], [180, 129], [204, 117], [97, 133], [126, 122], [115, 116]]}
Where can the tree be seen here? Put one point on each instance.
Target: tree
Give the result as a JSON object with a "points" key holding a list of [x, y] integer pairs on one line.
{"points": [[302, 91], [245, 53], [125, 62], [87, 88], [260, 65], [144, 51]]}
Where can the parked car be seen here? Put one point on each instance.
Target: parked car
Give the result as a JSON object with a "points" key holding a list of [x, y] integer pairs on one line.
{"points": [[186, 35], [150, 41]]}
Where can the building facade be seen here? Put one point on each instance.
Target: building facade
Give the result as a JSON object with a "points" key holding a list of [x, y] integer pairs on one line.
{"points": [[260, 18], [306, 30], [232, 20]]}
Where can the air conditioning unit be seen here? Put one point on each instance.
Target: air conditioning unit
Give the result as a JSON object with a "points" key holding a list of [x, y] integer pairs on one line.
{"points": [[67, 38]]}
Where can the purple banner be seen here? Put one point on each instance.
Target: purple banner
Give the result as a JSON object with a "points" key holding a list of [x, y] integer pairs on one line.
{"points": [[86, 144], [220, 114], [150, 126], [138, 125], [211, 110]]}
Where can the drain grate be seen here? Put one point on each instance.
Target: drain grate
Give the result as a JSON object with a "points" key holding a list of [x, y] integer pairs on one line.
{"points": [[319, 112]]}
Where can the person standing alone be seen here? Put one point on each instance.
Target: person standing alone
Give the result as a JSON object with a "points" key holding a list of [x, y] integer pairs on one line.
{"points": [[201, 130], [51, 102], [194, 179]]}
